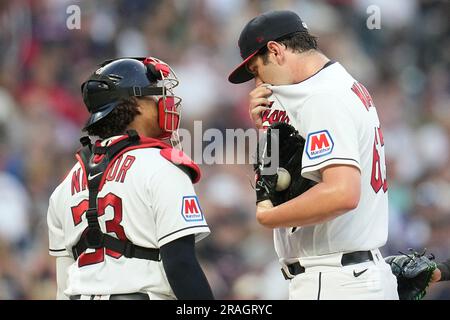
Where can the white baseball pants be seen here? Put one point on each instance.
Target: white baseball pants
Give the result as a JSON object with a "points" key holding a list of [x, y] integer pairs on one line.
{"points": [[326, 279]]}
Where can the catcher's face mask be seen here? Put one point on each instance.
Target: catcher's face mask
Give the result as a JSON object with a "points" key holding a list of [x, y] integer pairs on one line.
{"points": [[168, 103], [134, 77]]}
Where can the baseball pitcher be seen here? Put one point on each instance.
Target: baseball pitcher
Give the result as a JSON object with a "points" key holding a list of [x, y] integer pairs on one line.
{"points": [[329, 228]]}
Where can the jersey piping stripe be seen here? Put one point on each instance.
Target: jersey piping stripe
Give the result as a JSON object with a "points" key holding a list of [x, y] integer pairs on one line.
{"points": [[320, 285], [56, 250], [167, 235], [313, 165]]}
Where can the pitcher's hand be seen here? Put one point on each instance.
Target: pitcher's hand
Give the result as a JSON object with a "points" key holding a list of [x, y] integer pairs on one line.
{"points": [[258, 104]]}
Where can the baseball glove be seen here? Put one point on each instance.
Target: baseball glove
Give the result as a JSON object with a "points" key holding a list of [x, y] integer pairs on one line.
{"points": [[282, 140], [413, 272]]}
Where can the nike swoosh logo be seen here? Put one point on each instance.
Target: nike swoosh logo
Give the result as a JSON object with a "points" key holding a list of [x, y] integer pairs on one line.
{"points": [[95, 175], [357, 274]]}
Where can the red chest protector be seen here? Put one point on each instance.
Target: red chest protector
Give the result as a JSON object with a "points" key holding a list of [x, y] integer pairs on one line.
{"points": [[96, 161], [132, 141]]}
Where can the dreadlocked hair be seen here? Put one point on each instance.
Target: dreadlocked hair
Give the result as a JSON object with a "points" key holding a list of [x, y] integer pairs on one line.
{"points": [[117, 121]]}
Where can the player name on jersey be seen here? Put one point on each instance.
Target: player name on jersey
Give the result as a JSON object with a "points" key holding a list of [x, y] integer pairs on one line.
{"points": [[117, 172]]}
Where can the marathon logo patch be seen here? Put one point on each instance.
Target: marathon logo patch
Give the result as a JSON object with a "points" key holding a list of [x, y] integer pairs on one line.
{"points": [[191, 210], [319, 144]]}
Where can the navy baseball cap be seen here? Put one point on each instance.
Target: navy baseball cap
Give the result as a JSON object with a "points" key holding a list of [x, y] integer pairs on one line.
{"points": [[258, 32]]}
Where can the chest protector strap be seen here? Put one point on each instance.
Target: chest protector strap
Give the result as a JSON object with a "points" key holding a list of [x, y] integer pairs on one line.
{"points": [[95, 160]]}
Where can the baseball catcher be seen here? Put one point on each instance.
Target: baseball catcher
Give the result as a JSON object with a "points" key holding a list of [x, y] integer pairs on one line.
{"points": [[124, 223]]}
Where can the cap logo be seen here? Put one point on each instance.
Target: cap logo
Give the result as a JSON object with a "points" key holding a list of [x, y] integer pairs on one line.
{"points": [[259, 39]]}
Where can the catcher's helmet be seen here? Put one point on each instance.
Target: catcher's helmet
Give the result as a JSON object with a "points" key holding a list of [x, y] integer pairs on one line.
{"points": [[132, 77]]}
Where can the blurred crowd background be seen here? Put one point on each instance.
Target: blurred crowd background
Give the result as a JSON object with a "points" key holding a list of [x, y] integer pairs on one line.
{"points": [[405, 66]]}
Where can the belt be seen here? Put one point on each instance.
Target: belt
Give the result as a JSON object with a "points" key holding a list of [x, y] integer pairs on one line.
{"points": [[347, 259], [124, 296]]}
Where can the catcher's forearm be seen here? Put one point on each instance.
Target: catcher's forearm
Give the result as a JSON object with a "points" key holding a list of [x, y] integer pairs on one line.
{"points": [[444, 268]]}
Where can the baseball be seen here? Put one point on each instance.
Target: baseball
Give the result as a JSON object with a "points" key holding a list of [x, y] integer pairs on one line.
{"points": [[284, 179]]}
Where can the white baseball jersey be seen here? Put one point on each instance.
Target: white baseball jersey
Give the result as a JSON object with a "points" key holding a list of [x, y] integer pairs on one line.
{"points": [[336, 116], [147, 200]]}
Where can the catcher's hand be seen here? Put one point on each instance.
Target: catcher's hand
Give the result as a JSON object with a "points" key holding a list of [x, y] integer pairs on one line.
{"points": [[414, 272], [282, 140]]}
